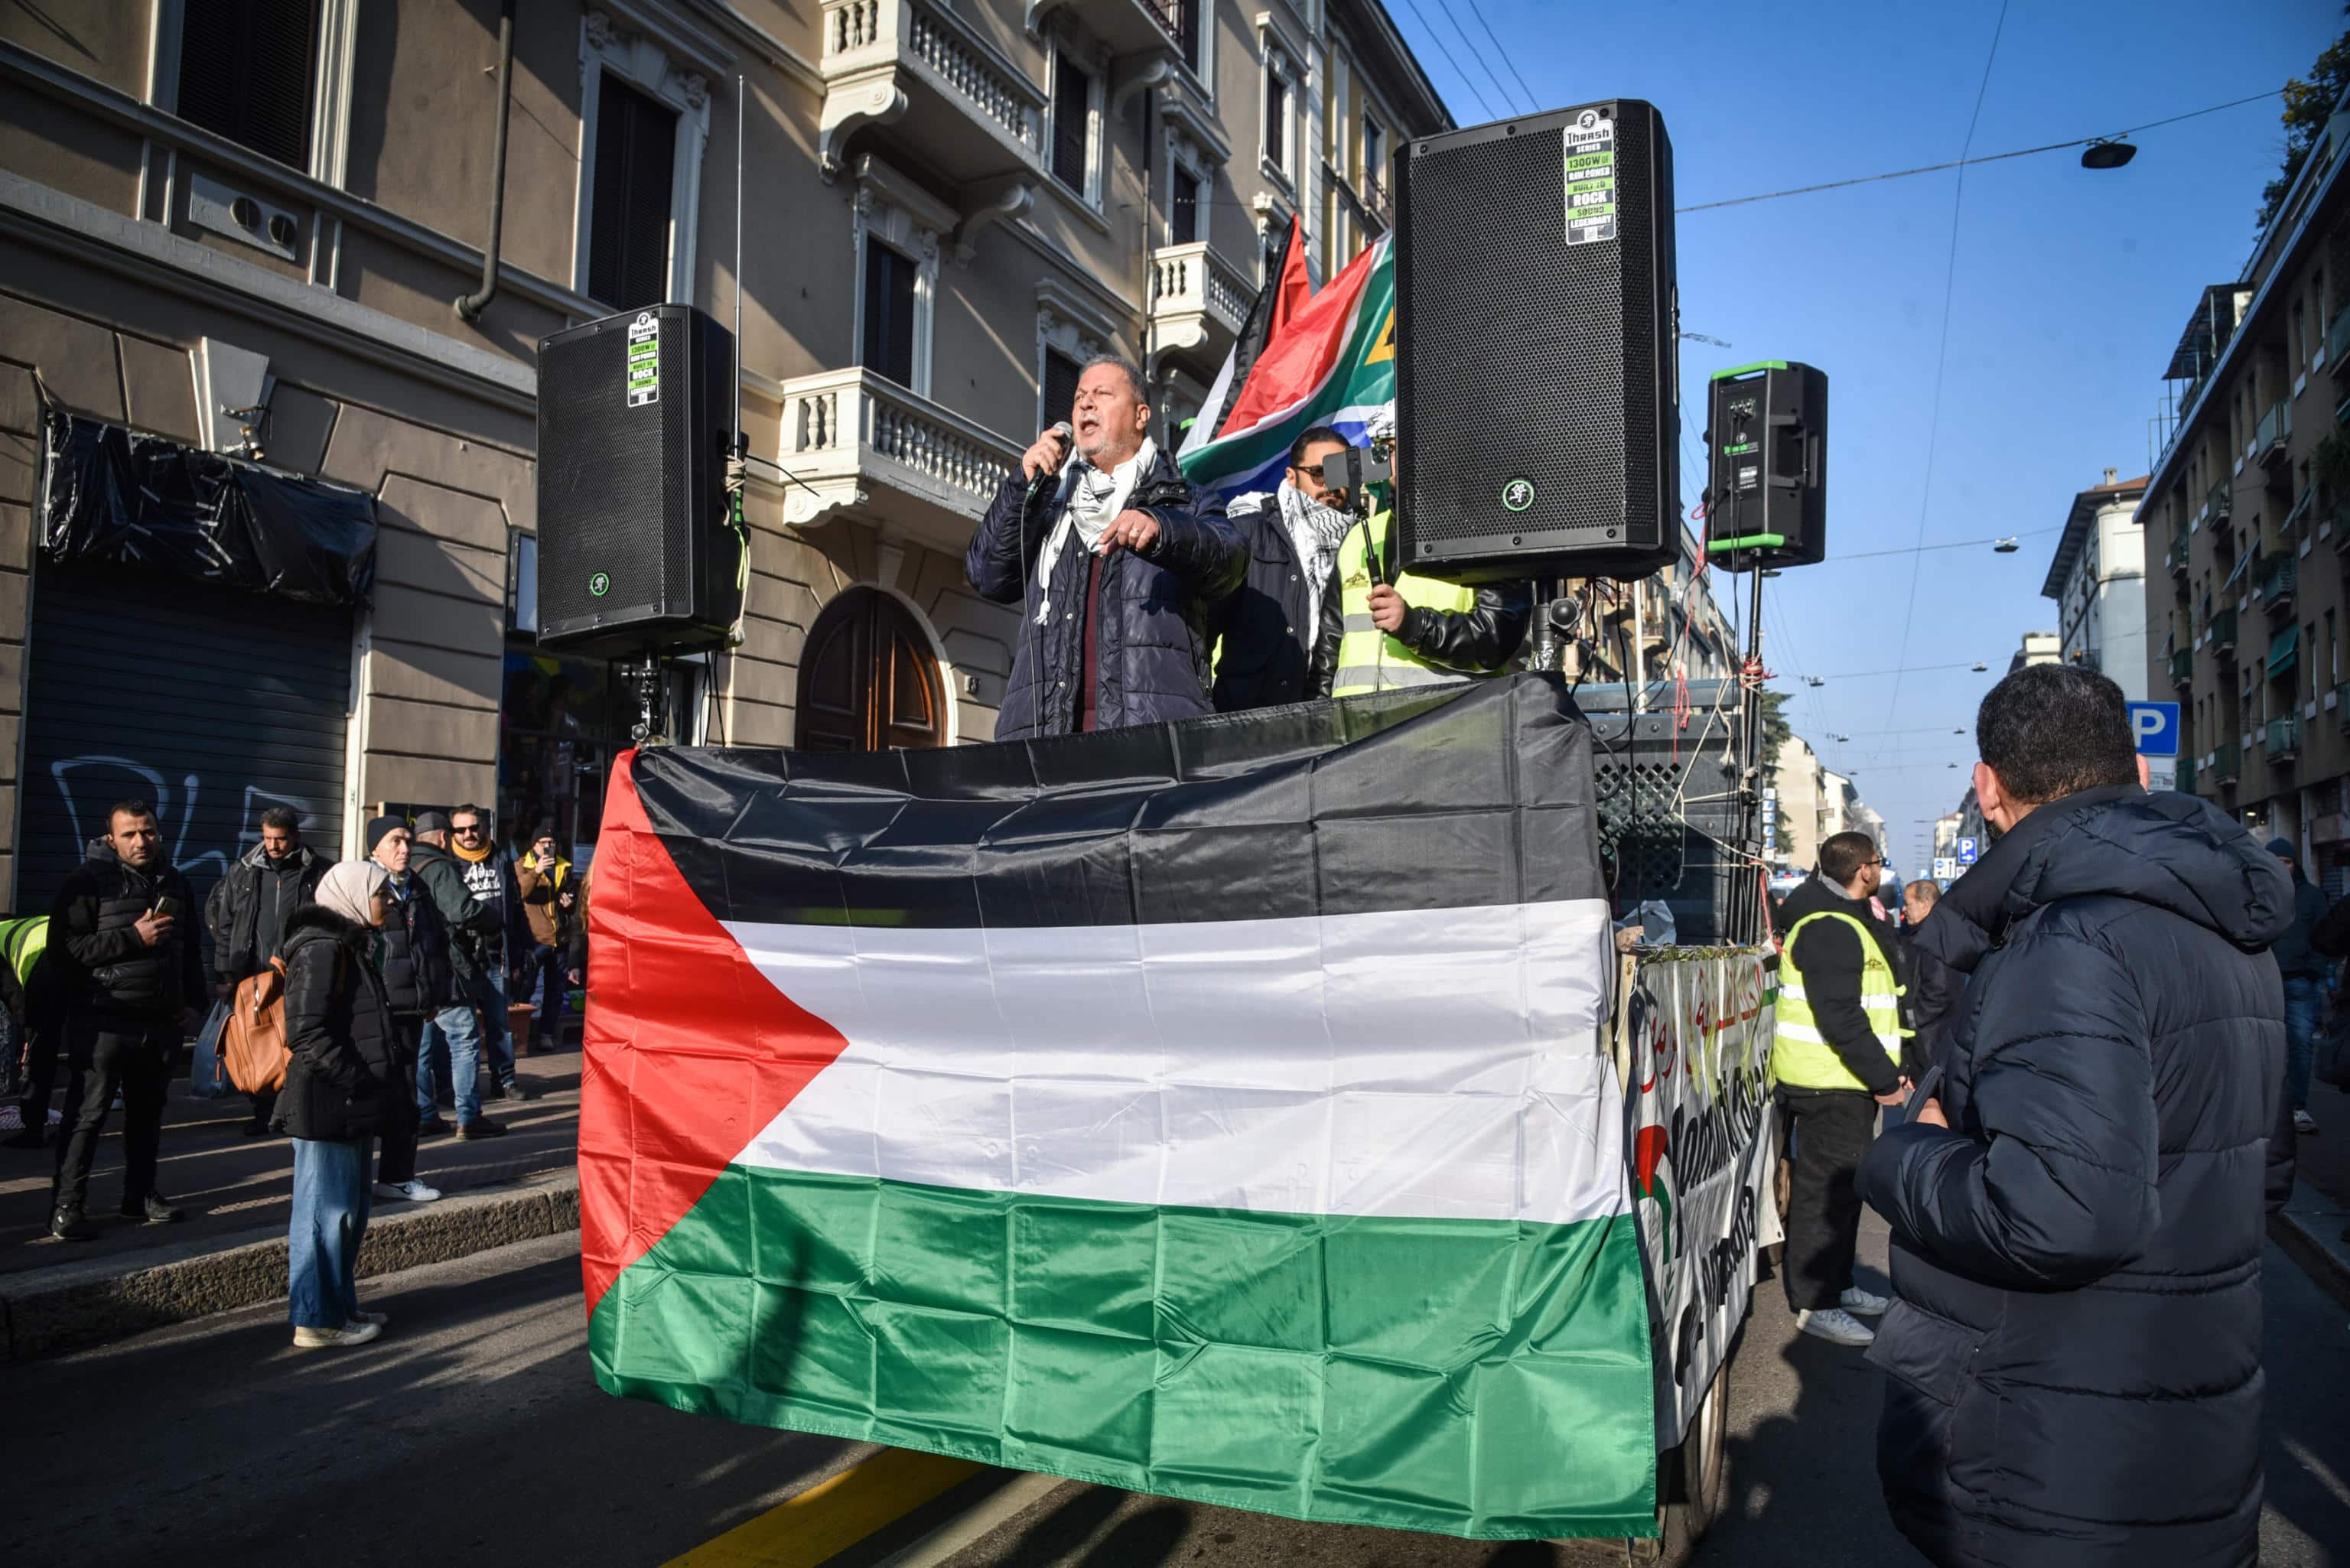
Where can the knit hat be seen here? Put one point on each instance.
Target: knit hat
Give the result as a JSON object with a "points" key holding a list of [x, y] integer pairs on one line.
{"points": [[432, 821], [545, 829], [378, 827], [2282, 848]]}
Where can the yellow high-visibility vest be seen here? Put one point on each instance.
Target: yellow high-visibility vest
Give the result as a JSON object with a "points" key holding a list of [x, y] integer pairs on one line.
{"points": [[1800, 1055], [1368, 659]]}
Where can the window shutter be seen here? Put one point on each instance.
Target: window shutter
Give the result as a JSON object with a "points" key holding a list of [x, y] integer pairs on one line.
{"points": [[888, 314], [1183, 209], [1058, 397], [1071, 104], [628, 220], [245, 73]]}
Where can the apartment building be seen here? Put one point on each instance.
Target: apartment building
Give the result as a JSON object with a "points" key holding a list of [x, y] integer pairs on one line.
{"points": [[246, 226], [2245, 509], [2097, 577]]}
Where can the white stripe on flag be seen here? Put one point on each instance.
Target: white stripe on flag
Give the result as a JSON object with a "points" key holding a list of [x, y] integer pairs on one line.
{"points": [[1436, 1063]]}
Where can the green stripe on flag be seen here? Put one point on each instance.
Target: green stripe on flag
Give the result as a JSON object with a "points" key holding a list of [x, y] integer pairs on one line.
{"points": [[1483, 1378]]}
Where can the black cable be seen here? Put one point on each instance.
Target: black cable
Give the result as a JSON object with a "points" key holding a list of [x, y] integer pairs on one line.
{"points": [[1453, 17], [1473, 92], [1479, 11]]}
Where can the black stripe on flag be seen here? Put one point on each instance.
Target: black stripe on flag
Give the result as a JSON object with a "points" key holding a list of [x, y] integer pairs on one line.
{"points": [[1449, 797]]}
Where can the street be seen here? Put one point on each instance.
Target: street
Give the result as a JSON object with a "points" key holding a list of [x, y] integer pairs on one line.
{"points": [[473, 1434]]}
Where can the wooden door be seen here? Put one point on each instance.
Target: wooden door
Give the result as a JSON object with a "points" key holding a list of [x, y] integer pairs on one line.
{"points": [[867, 682]]}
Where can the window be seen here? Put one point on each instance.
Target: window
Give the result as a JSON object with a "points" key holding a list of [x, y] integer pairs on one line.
{"points": [[1056, 393], [636, 166], [868, 679], [1189, 37], [1073, 91], [1276, 111], [888, 314], [1183, 208], [245, 68], [1375, 159]]}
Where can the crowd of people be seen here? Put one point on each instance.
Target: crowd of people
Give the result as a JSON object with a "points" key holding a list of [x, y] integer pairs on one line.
{"points": [[398, 973]]}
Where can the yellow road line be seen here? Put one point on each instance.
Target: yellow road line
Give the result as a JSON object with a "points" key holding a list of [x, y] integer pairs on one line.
{"points": [[832, 1515]]}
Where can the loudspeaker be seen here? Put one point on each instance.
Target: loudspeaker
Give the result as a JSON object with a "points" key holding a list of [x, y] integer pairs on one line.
{"points": [[1538, 401], [1670, 805], [1766, 441], [637, 551]]}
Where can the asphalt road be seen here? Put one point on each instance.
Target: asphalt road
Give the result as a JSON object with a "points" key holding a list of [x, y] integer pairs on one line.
{"points": [[472, 1435]]}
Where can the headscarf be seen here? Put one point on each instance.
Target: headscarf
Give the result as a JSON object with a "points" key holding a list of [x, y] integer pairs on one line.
{"points": [[1091, 500], [349, 887]]}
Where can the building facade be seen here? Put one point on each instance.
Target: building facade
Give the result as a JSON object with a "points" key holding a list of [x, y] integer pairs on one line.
{"points": [[232, 238], [2097, 578], [2246, 508]]}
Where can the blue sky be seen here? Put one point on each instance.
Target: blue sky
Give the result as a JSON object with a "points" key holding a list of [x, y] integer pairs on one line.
{"points": [[2068, 294]]}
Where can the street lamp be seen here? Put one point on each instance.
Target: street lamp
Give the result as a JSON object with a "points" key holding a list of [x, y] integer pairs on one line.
{"points": [[2107, 152]]}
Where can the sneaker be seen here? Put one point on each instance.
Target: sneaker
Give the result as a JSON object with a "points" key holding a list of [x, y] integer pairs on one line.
{"points": [[2302, 1122], [155, 1210], [480, 1126], [71, 1225], [433, 1125], [411, 1191], [513, 1092], [377, 1318], [1836, 1326], [336, 1338], [1860, 1303]]}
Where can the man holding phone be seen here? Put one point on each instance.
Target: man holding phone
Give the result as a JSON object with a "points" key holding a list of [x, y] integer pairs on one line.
{"points": [[122, 933]]}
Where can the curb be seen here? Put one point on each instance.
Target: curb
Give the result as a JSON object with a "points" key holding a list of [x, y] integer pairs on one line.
{"points": [[2309, 1230], [75, 1307]]}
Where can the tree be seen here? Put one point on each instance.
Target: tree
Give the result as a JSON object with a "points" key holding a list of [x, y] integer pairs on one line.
{"points": [[1776, 732], [2308, 105]]}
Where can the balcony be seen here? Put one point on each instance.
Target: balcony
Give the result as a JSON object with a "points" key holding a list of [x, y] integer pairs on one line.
{"points": [[944, 91], [2282, 741], [2178, 555], [2222, 502], [1198, 302], [2223, 631], [2227, 763], [2278, 577], [859, 445], [2337, 342], [2272, 435], [2182, 667], [1127, 26]]}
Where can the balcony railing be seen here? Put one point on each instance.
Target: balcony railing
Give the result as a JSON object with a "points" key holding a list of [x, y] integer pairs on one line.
{"points": [[2274, 431], [2278, 576], [2182, 667], [2282, 741], [2226, 763], [1198, 301], [2223, 631], [2222, 500], [2178, 554], [859, 443], [938, 84]]}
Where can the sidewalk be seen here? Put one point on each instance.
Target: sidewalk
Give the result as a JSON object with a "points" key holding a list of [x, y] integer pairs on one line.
{"points": [[2310, 1227], [237, 1192]]}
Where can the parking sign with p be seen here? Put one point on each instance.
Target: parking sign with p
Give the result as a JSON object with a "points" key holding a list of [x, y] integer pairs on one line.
{"points": [[2154, 728]]}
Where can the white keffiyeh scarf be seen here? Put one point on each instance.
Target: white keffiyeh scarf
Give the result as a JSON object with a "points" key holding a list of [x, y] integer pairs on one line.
{"points": [[1089, 499], [1316, 532]]}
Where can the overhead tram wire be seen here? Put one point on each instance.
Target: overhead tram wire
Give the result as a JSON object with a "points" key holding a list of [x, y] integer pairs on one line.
{"points": [[1942, 353], [1475, 91], [1478, 11], [1453, 15]]}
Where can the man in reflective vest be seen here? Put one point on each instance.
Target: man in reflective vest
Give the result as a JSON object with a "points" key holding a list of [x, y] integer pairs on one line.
{"points": [[1836, 1058]]}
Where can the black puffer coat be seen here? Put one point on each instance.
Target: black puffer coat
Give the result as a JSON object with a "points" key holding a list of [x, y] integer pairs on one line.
{"points": [[341, 1084], [1276, 645], [418, 979], [1154, 625], [104, 971], [2075, 1352]]}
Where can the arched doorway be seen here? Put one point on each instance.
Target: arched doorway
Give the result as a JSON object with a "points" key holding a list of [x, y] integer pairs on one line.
{"points": [[867, 681]]}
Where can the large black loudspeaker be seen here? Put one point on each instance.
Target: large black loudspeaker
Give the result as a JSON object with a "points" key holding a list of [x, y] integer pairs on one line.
{"points": [[1670, 803], [637, 552], [1766, 442], [1538, 402]]}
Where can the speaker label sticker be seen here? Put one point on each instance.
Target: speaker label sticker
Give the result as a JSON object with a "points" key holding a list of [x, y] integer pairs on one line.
{"points": [[1590, 179], [644, 359]]}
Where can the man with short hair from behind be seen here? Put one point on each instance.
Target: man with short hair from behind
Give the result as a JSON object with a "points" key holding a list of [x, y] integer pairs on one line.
{"points": [[2076, 1208], [246, 916]]}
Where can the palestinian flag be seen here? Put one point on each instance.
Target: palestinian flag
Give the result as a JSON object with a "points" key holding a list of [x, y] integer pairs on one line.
{"points": [[1332, 363], [1219, 1110]]}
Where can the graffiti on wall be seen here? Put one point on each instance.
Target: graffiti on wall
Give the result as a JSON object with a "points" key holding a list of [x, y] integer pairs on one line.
{"points": [[206, 826]]}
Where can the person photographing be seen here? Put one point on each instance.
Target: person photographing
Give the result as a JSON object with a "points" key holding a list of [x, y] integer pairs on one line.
{"points": [[1117, 562]]}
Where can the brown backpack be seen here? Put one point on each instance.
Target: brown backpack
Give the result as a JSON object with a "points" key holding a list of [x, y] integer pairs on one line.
{"points": [[252, 1039]]}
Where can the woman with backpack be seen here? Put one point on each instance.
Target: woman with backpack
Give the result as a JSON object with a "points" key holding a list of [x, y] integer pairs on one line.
{"points": [[341, 1087]]}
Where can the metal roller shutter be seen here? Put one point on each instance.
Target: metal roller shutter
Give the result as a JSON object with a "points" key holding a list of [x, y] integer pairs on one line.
{"points": [[213, 704]]}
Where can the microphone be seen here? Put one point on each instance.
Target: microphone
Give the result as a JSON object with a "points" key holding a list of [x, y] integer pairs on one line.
{"points": [[1067, 437]]}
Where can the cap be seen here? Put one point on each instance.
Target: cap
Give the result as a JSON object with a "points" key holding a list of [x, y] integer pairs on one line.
{"points": [[432, 821], [379, 826], [2282, 848]]}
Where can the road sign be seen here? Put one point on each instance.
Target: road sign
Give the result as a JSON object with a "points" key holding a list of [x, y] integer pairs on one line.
{"points": [[1966, 851], [2155, 727], [1945, 868]]}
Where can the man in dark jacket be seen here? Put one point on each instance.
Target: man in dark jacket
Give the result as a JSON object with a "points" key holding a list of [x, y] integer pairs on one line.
{"points": [[2307, 976], [418, 983], [1278, 634], [1836, 1057], [246, 912], [472, 926], [1117, 563], [122, 933], [2074, 1356], [1934, 987]]}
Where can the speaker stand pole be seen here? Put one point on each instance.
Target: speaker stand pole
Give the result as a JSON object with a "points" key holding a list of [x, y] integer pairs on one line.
{"points": [[1750, 904], [646, 675]]}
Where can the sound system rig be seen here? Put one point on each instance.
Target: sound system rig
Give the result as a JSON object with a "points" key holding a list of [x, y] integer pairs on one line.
{"points": [[1766, 442], [1670, 800]]}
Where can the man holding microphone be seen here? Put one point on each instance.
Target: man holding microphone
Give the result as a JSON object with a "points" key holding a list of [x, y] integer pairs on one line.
{"points": [[1117, 562]]}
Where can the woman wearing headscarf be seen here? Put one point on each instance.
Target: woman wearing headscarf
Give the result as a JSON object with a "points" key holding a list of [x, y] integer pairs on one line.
{"points": [[340, 1091]]}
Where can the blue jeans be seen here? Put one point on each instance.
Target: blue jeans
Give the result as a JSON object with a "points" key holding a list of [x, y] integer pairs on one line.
{"points": [[497, 1040], [550, 987], [2300, 1001], [452, 1037], [322, 1241]]}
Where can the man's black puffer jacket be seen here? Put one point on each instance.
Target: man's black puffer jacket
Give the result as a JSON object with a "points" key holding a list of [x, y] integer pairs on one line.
{"points": [[418, 978], [2075, 1352], [1156, 611], [1275, 647], [104, 971], [341, 1084]]}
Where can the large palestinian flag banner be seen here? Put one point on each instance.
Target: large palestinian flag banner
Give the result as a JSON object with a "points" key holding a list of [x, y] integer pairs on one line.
{"points": [[1223, 1110]]}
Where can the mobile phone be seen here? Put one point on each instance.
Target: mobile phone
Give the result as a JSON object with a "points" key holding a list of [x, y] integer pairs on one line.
{"points": [[168, 907]]}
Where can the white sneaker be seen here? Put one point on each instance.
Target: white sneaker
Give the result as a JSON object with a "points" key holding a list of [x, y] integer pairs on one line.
{"points": [[2302, 1122], [411, 1190], [1836, 1325], [377, 1318], [336, 1338], [1860, 1303]]}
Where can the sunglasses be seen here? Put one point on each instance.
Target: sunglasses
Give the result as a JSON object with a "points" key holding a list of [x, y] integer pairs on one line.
{"points": [[468, 829]]}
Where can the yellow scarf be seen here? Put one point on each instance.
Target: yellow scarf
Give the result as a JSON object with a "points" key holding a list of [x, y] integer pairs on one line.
{"points": [[471, 857]]}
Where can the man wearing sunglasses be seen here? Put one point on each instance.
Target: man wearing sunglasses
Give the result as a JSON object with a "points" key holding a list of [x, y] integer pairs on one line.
{"points": [[1836, 1057], [1278, 633], [454, 860]]}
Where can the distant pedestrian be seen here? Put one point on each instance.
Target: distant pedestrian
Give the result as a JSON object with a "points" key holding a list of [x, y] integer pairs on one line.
{"points": [[1934, 987], [457, 1028], [1836, 1058], [122, 933], [2308, 975], [418, 983], [2074, 1354], [340, 1089], [247, 911], [544, 879]]}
